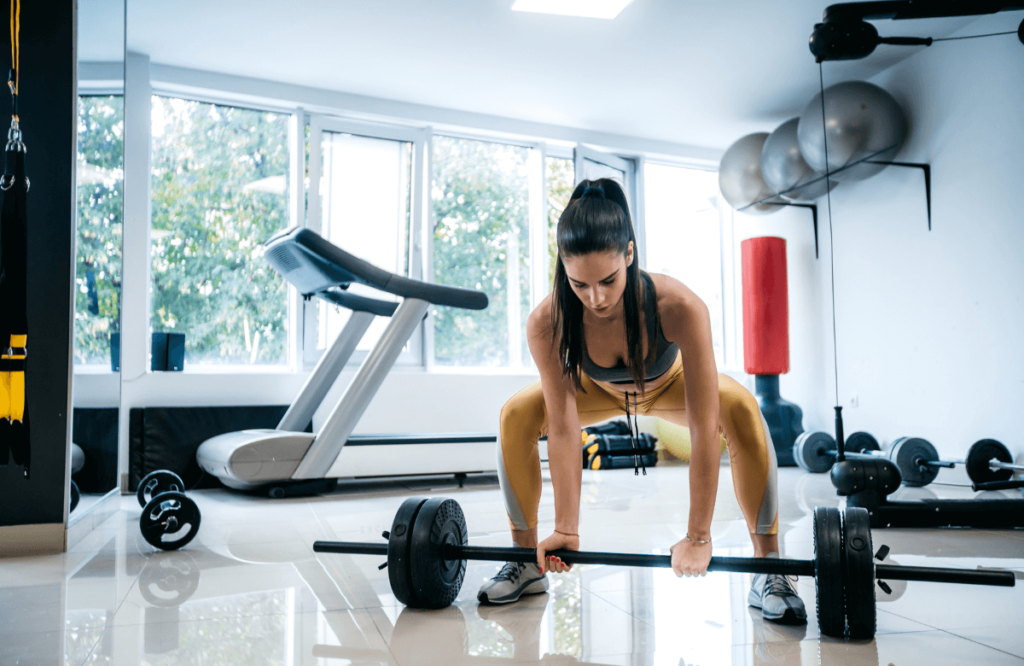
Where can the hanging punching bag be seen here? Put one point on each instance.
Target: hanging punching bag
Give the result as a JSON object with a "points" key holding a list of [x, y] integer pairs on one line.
{"points": [[766, 338], [14, 432]]}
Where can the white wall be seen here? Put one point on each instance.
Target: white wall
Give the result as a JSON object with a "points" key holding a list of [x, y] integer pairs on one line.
{"points": [[930, 323]]}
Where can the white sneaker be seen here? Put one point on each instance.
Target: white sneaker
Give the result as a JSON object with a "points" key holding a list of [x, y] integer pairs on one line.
{"points": [[513, 581], [778, 600]]}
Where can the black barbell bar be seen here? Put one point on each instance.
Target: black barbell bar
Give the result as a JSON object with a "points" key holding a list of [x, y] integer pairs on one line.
{"points": [[736, 564]]}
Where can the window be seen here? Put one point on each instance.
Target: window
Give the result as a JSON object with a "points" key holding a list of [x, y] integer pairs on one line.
{"points": [[365, 205], [560, 178], [683, 234], [100, 190], [481, 237], [219, 191]]}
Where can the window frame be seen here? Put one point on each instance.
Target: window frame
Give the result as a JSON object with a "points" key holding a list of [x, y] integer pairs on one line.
{"points": [[558, 143], [295, 167], [96, 89], [732, 351], [419, 138]]}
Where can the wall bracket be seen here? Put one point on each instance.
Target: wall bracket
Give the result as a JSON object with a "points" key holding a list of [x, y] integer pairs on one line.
{"points": [[927, 181]]}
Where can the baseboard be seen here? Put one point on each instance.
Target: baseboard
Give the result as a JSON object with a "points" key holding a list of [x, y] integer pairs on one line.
{"points": [[22, 540], [99, 512]]}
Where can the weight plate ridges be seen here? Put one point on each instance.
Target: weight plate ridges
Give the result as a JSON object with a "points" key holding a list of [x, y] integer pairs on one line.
{"points": [[828, 575], [399, 564], [436, 580], [859, 573]]}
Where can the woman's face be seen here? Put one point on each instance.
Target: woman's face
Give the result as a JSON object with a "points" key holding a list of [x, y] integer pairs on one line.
{"points": [[599, 279]]}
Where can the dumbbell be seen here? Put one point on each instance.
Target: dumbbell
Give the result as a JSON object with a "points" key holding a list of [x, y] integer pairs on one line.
{"points": [[427, 549], [169, 519], [816, 451]]}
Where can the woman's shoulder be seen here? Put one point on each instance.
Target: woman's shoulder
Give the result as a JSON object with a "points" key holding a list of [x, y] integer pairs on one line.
{"points": [[675, 299], [539, 321]]}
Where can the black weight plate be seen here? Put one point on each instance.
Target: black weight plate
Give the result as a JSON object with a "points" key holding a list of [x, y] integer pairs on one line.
{"points": [[170, 520], [908, 453], [893, 443], [76, 497], [828, 571], [813, 451], [860, 442], [169, 579], [978, 457], [399, 564], [859, 565], [154, 483], [437, 580]]}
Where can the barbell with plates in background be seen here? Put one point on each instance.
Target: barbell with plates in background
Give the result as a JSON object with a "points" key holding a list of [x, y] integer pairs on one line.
{"points": [[427, 548], [989, 463]]}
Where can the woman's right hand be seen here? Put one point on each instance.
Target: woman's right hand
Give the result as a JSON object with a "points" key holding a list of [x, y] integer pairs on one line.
{"points": [[554, 542]]}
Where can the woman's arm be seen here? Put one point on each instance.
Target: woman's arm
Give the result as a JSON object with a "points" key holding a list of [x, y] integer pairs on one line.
{"points": [[686, 322], [564, 459]]}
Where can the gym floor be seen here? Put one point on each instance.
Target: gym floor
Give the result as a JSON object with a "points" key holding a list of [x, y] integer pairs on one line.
{"points": [[249, 588]]}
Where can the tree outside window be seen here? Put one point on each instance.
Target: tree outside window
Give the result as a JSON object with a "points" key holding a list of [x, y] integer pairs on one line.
{"points": [[100, 196], [219, 192], [481, 234]]}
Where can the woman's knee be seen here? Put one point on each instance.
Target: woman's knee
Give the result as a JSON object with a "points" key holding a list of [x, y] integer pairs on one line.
{"points": [[522, 419], [740, 413]]}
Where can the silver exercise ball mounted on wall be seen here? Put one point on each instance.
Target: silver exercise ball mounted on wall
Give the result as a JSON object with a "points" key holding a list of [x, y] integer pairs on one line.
{"points": [[739, 176], [784, 168], [865, 124]]}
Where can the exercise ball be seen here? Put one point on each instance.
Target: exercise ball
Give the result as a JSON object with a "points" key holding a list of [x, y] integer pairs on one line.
{"points": [[784, 168], [739, 175], [863, 121]]}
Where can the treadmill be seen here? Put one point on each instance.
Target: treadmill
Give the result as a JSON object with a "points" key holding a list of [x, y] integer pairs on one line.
{"points": [[289, 461]]}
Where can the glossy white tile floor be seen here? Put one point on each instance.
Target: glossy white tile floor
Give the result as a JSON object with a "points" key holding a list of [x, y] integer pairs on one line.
{"points": [[250, 590]]}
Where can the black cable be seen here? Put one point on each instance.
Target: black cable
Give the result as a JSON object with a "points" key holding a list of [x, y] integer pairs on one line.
{"points": [[991, 34], [831, 245]]}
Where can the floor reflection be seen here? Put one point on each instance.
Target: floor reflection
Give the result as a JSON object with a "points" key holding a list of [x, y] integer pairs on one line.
{"points": [[250, 590]]}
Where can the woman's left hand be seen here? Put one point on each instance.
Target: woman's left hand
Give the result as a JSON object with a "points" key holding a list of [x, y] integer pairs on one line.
{"points": [[690, 559]]}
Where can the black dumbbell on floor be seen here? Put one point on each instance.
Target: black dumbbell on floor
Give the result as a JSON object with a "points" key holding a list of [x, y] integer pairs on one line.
{"points": [[816, 451], [169, 519]]}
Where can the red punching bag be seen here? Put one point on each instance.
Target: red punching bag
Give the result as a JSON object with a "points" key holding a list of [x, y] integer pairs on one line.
{"points": [[765, 306]]}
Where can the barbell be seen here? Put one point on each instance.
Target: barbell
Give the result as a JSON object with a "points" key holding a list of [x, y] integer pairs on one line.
{"points": [[988, 461], [427, 548]]}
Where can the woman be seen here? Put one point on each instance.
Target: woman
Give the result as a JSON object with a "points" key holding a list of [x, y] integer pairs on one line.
{"points": [[611, 339]]}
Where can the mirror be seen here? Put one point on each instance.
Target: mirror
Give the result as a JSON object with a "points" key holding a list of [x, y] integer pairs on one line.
{"points": [[98, 272]]}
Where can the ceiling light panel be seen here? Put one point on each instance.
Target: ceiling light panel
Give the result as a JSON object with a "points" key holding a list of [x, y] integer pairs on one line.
{"points": [[605, 9]]}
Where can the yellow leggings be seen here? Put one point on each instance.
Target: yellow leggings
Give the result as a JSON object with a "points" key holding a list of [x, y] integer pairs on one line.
{"points": [[751, 453]]}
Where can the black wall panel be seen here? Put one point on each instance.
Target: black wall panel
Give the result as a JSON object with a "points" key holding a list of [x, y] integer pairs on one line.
{"points": [[47, 108]]}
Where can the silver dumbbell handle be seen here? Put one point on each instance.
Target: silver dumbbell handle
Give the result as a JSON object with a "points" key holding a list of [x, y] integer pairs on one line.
{"points": [[995, 464]]}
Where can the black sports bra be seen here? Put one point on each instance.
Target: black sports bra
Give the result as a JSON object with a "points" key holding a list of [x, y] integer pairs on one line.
{"points": [[659, 359]]}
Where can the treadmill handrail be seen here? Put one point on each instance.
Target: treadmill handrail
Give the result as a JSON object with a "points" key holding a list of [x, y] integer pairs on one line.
{"points": [[358, 303], [327, 265]]}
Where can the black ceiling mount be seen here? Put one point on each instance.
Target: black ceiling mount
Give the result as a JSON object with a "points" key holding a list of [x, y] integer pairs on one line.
{"points": [[844, 33]]}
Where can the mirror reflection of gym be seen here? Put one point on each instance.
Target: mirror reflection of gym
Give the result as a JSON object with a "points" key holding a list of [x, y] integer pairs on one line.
{"points": [[99, 175]]}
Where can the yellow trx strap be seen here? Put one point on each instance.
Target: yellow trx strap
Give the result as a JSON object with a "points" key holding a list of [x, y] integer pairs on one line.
{"points": [[15, 48]]}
